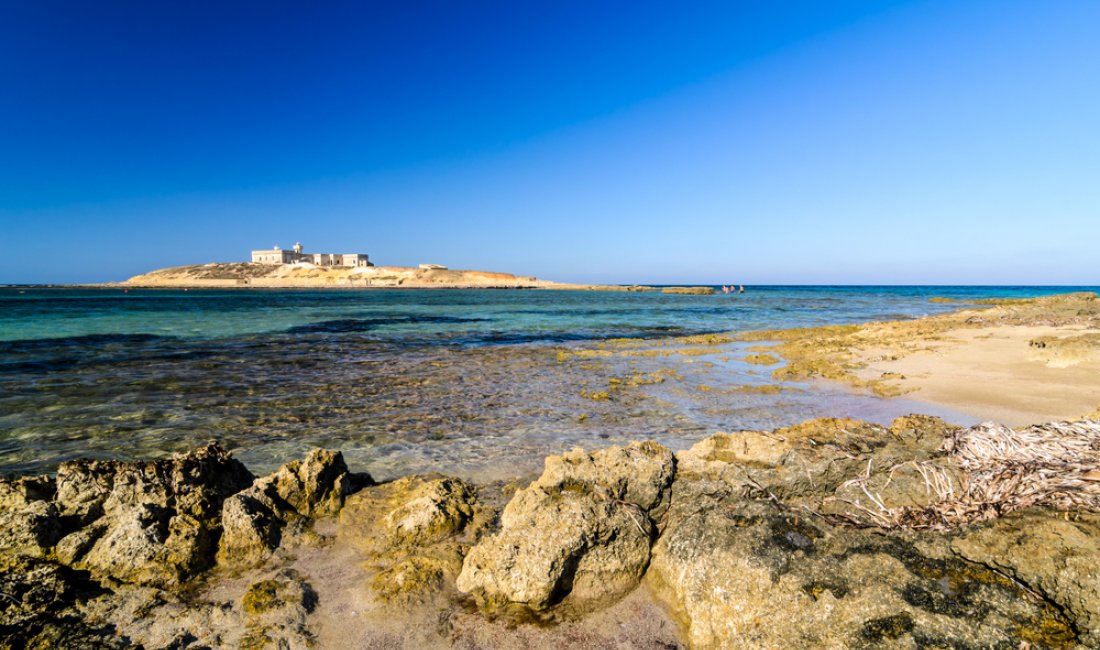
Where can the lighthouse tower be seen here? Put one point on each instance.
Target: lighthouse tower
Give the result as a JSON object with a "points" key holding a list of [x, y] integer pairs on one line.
{"points": [[298, 248]]}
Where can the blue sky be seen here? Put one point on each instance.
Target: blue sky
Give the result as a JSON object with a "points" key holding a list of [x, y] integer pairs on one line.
{"points": [[750, 142]]}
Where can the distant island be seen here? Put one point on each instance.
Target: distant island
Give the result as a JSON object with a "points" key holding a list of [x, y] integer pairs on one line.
{"points": [[294, 268]]}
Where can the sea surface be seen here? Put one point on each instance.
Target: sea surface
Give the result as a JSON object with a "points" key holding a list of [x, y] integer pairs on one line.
{"points": [[475, 383]]}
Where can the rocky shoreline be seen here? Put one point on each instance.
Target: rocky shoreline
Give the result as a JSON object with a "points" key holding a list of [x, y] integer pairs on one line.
{"points": [[833, 533]]}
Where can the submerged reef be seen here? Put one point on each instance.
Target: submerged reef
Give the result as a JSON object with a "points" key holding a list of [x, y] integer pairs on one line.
{"points": [[832, 533]]}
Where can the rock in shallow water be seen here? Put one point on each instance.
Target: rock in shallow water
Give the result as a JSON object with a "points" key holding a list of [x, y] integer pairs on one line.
{"points": [[578, 537]]}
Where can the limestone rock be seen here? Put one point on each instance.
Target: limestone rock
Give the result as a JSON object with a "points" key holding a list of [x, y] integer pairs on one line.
{"points": [[744, 573], [808, 462], [38, 607], [149, 523], [416, 577], [17, 492], [252, 528], [276, 611], [923, 435], [255, 521], [82, 488], [1056, 554], [76, 545], [149, 617], [576, 538], [29, 522], [412, 511], [315, 486], [639, 473], [811, 458], [413, 532]]}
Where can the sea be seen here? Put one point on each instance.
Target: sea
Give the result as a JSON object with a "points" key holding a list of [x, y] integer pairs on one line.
{"points": [[481, 384]]}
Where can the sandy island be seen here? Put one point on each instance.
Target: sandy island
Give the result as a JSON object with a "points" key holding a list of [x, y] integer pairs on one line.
{"points": [[304, 275]]}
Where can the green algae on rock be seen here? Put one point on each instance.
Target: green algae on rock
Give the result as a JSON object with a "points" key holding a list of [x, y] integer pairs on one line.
{"points": [[276, 611], [413, 534], [747, 574]]}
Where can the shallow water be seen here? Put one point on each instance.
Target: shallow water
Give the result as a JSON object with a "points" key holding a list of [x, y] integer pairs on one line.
{"points": [[468, 382]]}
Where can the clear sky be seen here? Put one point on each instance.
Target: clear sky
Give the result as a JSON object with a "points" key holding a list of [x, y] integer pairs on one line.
{"points": [[838, 141]]}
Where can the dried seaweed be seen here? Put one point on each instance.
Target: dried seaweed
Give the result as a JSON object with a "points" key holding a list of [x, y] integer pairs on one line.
{"points": [[1055, 465]]}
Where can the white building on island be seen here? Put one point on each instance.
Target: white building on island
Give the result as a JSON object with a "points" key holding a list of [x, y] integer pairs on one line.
{"points": [[294, 256]]}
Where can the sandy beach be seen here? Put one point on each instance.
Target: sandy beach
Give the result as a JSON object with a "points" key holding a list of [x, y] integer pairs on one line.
{"points": [[1015, 362], [996, 374]]}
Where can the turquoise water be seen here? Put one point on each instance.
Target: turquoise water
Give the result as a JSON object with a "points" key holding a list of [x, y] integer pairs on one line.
{"points": [[468, 382]]}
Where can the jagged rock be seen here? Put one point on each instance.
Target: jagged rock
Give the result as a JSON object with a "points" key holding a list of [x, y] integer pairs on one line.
{"points": [[409, 512], [921, 435], [639, 473], [255, 521], [1055, 554], [315, 486], [29, 522], [76, 545], [38, 607], [149, 523], [813, 457], [578, 537], [16, 492], [275, 611], [82, 488], [252, 528], [413, 532], [742, 573]]}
